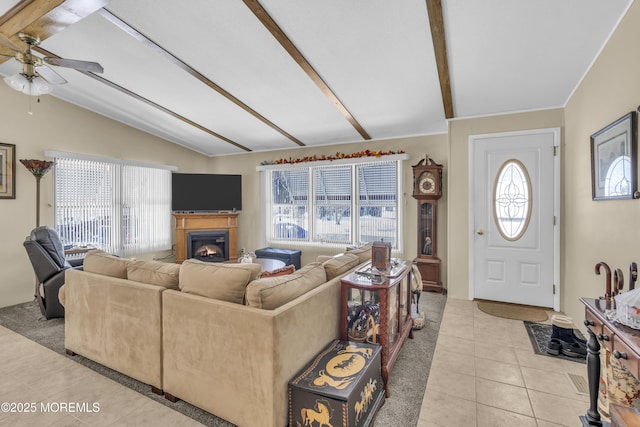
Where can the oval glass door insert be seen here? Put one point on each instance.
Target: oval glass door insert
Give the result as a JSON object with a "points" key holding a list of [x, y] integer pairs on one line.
{"points": [[512, 199]]}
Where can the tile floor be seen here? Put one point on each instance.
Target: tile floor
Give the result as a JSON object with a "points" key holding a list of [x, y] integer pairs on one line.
{"points": [[484, 374]]}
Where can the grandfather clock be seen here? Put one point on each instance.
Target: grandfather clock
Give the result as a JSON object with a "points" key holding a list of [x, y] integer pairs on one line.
{"points": [[427, 189]]}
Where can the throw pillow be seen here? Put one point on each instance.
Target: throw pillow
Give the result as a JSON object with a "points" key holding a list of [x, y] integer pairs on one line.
{"points": [[226, 282], [154, 273], [282, 271], [272, 292], [100, 262], [363, 252], [340, 264]]}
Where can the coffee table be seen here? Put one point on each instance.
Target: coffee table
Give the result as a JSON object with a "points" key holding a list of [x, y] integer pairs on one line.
{"points": [[269, 264]]}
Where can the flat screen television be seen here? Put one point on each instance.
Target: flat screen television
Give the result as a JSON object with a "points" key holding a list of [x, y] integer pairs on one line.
{"points": [[196, 192]]}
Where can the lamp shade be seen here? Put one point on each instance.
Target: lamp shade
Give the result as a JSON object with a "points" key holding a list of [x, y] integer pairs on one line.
{"points": [[17, 82], [38, 86], [37, 167], [34, 86]]}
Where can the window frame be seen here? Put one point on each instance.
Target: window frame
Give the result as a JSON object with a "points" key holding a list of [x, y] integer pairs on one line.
{"points": [[266, 202], [118, 241]]}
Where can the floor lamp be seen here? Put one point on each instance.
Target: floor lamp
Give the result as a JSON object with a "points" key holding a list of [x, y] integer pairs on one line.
{"points": [[38, 168]]}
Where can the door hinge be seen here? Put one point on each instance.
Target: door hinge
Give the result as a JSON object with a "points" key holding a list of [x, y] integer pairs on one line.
{"points": [[554, 289], [555, 152], [554, 220]]}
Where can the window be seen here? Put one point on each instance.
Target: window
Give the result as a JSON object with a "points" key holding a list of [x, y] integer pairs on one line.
{"points": [[512, 204], [316, 204], [119, 207]]}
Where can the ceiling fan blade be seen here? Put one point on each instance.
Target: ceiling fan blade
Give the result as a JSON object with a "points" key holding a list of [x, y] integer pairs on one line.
{"points": [[51, 76], [93, 67], [4, 41]]}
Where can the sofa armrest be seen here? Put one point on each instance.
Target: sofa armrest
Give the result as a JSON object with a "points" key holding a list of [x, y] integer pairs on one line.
{"points": [[115, 322]]}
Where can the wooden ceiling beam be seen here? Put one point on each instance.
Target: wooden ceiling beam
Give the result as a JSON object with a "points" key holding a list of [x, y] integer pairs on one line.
{"points": [[266, 20], [185, 67], [44, 18], [436, 22]]}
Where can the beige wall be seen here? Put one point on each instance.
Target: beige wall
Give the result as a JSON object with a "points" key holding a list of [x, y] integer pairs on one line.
{"points": [[60, 126], [591, 231], [603, 230], [459, 133], [57, 125], [417, 147]]}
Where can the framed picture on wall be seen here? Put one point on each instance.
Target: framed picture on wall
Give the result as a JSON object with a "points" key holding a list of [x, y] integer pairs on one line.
{"points": [[7, 171], [614, 160]]}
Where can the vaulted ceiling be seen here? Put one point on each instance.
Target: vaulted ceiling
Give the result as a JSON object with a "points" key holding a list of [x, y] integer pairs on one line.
{"points": [[233, 76]]}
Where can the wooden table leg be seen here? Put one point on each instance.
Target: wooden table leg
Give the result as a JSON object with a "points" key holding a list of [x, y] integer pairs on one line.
{"points": [[385, 379], [592, 416]]}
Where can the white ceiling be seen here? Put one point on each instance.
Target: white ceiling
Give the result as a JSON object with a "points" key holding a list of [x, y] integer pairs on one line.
{"points": [[377, 57]]}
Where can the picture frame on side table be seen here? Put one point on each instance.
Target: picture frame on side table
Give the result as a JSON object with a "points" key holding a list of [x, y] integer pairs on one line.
{"points": [[614, 159], [7, 171]]}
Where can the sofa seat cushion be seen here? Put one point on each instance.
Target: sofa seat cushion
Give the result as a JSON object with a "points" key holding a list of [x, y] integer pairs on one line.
{"points": [[154, 273], [272, 292], [363, 252], [226, 282], [340, 264], [100, 262]]}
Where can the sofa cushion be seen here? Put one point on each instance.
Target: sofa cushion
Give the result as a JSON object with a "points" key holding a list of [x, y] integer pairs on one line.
{"points": [[272, 292], [226, 282], [100, 262], [363, 252], [154, 273], [340, 264], [282, 271]]}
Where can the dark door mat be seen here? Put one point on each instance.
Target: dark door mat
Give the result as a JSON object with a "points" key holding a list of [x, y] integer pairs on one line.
{"points": [[540, 333]]}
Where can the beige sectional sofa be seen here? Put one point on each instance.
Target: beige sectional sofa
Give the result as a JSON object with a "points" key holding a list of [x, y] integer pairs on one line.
{"points": [[214, 335]]}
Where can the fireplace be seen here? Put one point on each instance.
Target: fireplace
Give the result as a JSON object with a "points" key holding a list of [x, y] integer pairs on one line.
{"points": [[208, 246], [187, 223]]}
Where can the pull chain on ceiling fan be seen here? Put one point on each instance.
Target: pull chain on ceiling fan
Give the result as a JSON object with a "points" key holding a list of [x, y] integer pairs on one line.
{"points": [[37, 78]]}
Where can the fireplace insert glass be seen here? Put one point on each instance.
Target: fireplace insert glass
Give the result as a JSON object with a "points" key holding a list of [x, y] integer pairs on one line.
{"points": [[208, 246]]}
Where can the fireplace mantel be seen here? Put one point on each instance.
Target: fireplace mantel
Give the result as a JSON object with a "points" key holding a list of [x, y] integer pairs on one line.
{"points": [[189, 222]]}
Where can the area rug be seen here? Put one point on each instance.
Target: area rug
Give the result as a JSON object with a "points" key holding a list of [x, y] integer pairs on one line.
{"points": [[407, 380], [540, 333], [513, 311]]}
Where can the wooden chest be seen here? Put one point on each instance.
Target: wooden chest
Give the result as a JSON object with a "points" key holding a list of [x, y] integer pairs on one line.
{"points": [[341, 386]]}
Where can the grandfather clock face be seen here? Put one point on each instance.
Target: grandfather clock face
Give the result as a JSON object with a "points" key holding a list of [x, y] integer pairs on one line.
{"points": [[426, 183]]}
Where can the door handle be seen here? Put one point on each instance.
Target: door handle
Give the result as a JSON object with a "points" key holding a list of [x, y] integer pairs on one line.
{"points": [[479, 231]]}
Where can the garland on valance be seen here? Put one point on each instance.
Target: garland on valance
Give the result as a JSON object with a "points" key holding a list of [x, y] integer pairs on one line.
{"points": [[338, 155]]}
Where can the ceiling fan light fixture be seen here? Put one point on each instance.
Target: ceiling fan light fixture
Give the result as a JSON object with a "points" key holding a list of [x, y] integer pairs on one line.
{"points": [[34, 86], [17, 82], [37, 86]]}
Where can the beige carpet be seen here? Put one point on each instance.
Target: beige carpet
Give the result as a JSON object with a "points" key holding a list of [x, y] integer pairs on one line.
{"points": [[513, 311]]}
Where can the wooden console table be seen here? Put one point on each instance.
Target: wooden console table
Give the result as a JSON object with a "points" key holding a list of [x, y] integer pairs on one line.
{"points": [[621, 340]]}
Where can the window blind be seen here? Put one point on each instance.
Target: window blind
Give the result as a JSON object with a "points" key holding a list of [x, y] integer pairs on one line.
{"points": [[335, 205], [120, 208]]}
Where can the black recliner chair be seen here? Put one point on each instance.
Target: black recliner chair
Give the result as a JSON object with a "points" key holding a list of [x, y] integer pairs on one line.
{"points": [[46, 254]]}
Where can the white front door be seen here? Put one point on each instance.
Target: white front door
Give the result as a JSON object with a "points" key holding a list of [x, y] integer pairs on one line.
{"points": [[513, 220]]}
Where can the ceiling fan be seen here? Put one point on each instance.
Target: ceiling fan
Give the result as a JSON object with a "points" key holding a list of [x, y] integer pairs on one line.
{"points": [[37, 77]]}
